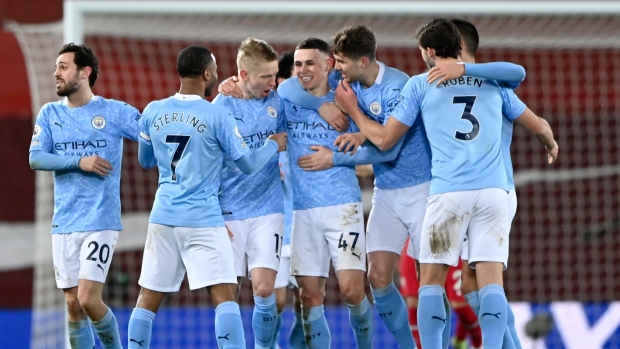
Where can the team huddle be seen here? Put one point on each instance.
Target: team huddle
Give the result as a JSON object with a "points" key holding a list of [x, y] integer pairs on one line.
{"points": [[228, 206]]}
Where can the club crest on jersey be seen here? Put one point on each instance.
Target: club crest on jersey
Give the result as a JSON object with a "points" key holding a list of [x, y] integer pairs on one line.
{"points": [[37, 131], [98, 122], [272, 112], [375, 108]]}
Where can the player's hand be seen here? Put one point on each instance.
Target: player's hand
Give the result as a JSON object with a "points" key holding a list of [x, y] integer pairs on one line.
{"points": [[230, 234], [280, 138], [334, 116], [363, 171], [552, 153], [349, 142], [229, 87], [345, 97], [95, 164], [445, 71], [321, 160]]}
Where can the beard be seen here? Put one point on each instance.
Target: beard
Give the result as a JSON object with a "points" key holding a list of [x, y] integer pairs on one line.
{"points": [[69, 88], [209, 89]]}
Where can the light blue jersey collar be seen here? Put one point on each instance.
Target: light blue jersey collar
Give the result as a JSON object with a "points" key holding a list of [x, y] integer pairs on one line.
{"points": [[65, 101]]}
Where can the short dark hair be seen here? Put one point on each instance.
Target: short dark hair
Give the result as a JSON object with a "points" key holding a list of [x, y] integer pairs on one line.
{"points": [[355, 42], [468, 33], [285, 65], [314, 43], [83, 56], [193, 61], [441, 35]]}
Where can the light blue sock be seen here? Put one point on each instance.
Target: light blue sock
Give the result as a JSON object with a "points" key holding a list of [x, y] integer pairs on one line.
{"points": [[107, 331], [276, 335], [81, 335], [493, 315], [297, 340], [445, 335], [140, 328], [431, 316], [360, 318], [228, 326], [512, 328], [315, 328], [264, 320], [473, 299], [393, 311]]}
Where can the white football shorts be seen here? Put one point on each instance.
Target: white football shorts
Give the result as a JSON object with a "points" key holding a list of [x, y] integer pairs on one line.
{"points": [[397, 214], [512, 211], [284, 278], [205, 253], [322, 234], [483, 212], [82, 255], [257, 242]]}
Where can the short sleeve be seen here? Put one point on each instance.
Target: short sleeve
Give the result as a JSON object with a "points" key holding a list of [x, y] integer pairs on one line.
{"points": [[407, 108], [512, 106]]}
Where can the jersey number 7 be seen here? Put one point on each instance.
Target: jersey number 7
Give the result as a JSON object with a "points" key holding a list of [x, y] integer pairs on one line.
{"points": [[181, 144]]}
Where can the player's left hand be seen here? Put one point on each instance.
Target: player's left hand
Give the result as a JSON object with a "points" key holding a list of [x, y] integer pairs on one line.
{"points": [[321, 160], [345, 98], [552, 153], [229, 87], [349, 142], [445, 71]]}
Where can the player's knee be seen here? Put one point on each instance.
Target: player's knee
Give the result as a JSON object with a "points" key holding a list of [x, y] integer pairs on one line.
{"points": [[352, 293], [310, 298], [263, 290], [73, 307], [379, 278], [89, 301]]}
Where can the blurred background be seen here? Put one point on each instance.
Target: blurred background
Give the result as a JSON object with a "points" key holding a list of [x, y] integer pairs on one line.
{"points": [[563, 276]]}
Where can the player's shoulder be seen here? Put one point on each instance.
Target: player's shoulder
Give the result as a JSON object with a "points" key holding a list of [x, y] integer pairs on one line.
{"points": [[50, 109], [417, 81], [397, 75], [116, 106]]}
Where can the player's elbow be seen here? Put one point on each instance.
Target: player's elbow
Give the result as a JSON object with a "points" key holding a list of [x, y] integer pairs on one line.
{"points": [[384, 144], [34, 162]]}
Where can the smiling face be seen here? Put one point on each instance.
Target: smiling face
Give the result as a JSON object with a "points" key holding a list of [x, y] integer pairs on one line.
{"points": [[68, 78], [351, 69], [312, 68]]}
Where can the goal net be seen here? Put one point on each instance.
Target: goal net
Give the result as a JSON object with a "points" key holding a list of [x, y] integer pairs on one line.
{"points": [[564, 240]]}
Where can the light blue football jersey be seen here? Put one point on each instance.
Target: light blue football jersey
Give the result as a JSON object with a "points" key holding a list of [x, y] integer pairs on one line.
{"points": [[85, 201], [245, 196], [335, 186], [287, 197], [190, 138], [515, 108], [412, 166], [463, 122]]}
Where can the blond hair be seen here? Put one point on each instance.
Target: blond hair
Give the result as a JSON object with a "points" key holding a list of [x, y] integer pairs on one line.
{"points": [[253, 52]]}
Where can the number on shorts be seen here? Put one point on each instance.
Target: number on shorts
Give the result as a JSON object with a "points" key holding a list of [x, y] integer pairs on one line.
{"points": [[279, 240], [104, 252], [182, 143], [467, 115], [342, 243]]}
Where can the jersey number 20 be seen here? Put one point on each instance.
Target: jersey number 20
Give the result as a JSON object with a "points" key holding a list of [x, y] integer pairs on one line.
{"points": [[467, 115]]}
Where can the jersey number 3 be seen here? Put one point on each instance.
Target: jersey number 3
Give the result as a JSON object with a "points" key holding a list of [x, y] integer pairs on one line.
{"points": [[467, 115], [181, 142]]}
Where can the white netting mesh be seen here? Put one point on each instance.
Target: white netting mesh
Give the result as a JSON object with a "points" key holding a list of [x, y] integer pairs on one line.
{"points": [[564, 243]]}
